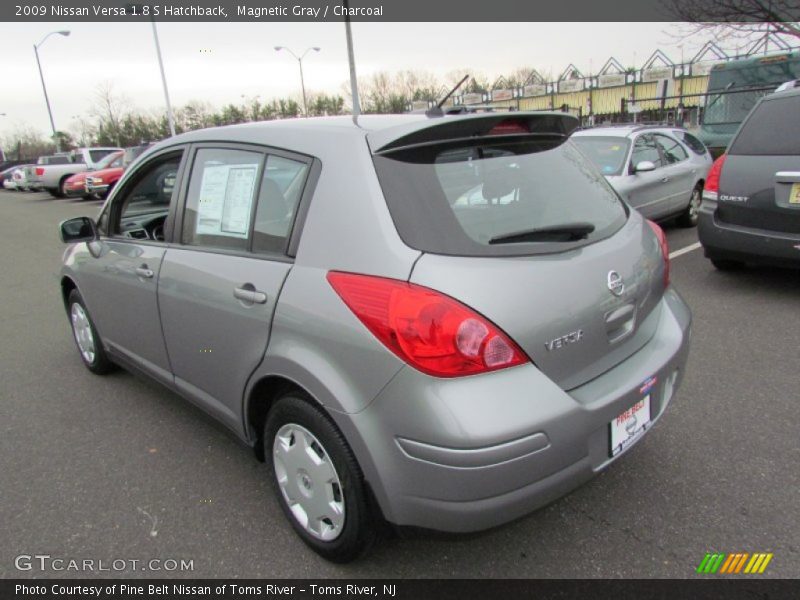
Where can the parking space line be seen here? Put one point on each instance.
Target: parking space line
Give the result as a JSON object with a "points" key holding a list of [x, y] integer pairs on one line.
{"points": [[689, 248]]}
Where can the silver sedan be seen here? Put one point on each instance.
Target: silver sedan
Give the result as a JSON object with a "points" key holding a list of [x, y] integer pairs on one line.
{"points": [[659, 171]]}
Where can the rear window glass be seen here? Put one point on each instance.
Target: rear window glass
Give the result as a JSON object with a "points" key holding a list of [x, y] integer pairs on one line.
{"points": [[493, 198], [607, 153], [96, 155], [772, 129]]}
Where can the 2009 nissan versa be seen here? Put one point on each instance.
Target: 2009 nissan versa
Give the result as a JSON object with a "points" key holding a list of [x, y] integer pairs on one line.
{"points": [[440, 322]]}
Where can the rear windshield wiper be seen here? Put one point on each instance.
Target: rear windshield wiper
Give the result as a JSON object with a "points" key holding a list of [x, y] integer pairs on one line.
{"points": [[568, 232]]}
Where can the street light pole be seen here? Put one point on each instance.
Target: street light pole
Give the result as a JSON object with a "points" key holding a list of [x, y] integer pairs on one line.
{"points": [[44, 88], [170, 118], [300, 62], [352, 61]]}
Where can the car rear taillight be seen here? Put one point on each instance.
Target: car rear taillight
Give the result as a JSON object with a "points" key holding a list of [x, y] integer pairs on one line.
{"points": [[39, 171], [662, 242], [425, 328], [711, 188], [509, 127]]}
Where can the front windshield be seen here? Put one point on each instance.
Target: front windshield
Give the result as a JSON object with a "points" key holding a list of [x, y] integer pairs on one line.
{"points": [[607, 153], [730, 107], [106, 161]]}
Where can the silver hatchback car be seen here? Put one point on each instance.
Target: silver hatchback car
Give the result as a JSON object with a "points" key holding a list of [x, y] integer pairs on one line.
{"points": [[439, 322], [659, 171]]}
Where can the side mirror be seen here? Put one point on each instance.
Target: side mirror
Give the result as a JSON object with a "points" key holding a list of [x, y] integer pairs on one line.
{"points": [[644, 166], [79, 229]]}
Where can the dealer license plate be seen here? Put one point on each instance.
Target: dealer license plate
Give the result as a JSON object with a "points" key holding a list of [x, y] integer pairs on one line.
{"points": [[794, 194], [629, 426]]}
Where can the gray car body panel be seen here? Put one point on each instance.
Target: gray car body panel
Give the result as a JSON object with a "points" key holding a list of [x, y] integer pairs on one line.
{"points": [[453, 454], [484, 415], [580, 301], [657, 194]]}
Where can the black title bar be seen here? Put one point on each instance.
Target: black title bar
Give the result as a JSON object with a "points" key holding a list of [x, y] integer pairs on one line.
{"points": [[359, 10], [417, 589]]}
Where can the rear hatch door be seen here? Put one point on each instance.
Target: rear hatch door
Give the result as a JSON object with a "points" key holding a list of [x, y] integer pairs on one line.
{"points": [[760, 180], [515, 222]]}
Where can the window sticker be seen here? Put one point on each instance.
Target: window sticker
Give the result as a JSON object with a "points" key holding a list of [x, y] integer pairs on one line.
{"points": [[226, 199]]}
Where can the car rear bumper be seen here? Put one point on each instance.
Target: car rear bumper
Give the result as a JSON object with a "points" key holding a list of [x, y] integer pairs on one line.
{"points": [[734, 242], [467, 454]]}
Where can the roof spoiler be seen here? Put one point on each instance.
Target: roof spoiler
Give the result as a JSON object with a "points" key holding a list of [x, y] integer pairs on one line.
{"points": [[426, 132]]}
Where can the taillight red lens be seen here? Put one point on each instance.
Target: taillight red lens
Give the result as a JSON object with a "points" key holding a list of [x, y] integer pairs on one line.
{"points": [[427, 329], [714, 173], [662, 242], [40, 171]]}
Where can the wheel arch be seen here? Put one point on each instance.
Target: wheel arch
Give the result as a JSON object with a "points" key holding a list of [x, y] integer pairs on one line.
{"points": [[67, 285], [260, 400], [261, 396]]}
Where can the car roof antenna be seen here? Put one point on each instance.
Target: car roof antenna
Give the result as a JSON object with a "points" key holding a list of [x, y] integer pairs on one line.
{"points": [[436, 111]]}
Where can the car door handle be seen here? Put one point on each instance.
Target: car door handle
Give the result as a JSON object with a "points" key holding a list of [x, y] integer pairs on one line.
{"points": [[248, 293], [664, 179], [145, 272]]}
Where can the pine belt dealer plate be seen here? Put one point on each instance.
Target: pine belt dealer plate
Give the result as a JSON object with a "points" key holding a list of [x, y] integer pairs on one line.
{"points": [[794, 194], [629, 426]]}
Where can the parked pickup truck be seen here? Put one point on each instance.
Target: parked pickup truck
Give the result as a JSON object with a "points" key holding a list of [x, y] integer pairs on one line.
{"points": [[53, 177]]}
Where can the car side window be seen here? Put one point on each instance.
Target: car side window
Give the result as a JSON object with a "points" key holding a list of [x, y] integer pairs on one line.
{"points": [[219, 203], [672, 150], [644, 148], [146, 197], [281, 188], [696, 145]]}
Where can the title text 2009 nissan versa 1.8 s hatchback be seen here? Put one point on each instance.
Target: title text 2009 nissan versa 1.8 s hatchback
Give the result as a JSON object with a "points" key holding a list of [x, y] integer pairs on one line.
{"points": [[443, 322]]}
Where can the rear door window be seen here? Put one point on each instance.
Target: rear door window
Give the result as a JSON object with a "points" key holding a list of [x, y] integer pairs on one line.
{"points": [[472, 197], [772, 129], [671, 150], [281, 188]]}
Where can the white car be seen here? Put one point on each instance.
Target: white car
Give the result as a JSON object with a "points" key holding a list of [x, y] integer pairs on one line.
{"points": [[21, 182]]}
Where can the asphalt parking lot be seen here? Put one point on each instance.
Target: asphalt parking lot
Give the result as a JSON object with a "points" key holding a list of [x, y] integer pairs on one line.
{"points": [[118, 468]]}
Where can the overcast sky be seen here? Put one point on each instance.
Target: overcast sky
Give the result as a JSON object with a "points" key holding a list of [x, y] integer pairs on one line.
{"points": [[220, 62]]}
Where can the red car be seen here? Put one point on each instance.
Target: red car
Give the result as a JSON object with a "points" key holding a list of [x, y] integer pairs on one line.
{"points": [[100, 182], [76, 184]]}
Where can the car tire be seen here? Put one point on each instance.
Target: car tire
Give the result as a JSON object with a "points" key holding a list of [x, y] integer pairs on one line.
{"points": [[343, 532], [90, 346], [105, 194], [53, 193], [727, 265], [62, 186], [690, 216]]}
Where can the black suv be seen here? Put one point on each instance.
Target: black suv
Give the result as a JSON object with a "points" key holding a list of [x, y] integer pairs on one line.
{"points": [[751, 200]]}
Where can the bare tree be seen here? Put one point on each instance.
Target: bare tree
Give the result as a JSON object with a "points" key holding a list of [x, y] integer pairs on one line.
{"points": [[83, 131], [27, 143], [737, 20], [110, 109]]}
